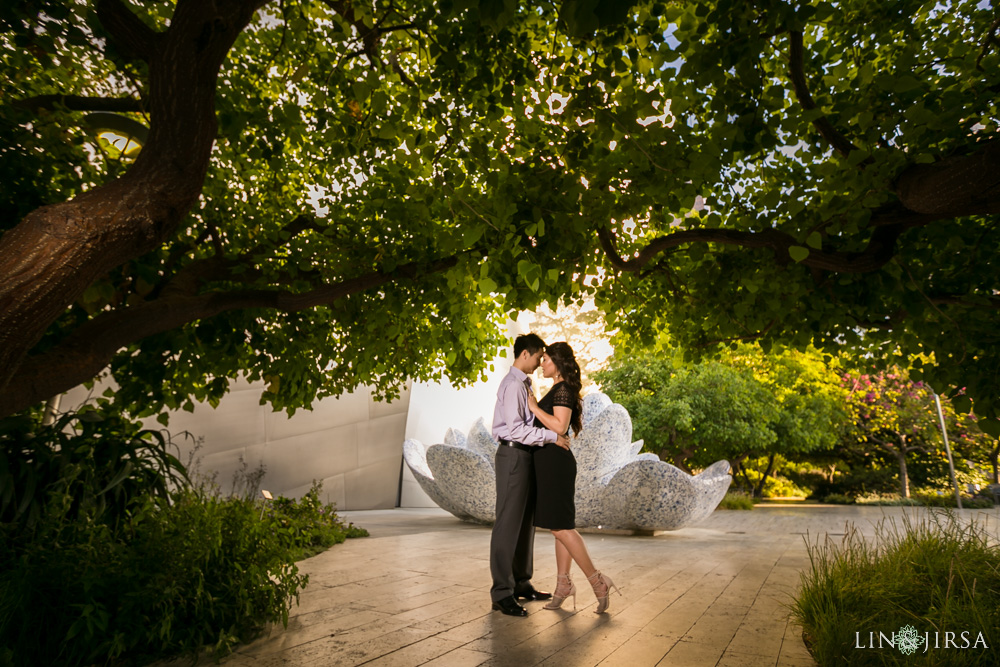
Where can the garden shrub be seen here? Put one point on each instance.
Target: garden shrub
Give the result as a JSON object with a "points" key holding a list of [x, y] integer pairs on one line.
{"points": [[103, 562], [935, 575], [736, 500]]}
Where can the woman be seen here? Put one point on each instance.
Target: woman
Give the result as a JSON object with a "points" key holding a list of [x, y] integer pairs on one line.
{"points": [[555, 477]]}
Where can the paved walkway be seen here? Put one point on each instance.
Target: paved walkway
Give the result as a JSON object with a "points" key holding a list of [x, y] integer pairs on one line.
{"points": [[417, 593]]}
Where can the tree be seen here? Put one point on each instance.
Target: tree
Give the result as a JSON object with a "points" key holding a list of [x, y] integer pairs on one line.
{"points": [[745, 405], [314, 205], [894, 413], [802, 173], [846, 157]]}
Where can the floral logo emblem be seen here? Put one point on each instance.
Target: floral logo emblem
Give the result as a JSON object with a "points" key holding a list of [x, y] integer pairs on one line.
{"points": [[908, 640]]}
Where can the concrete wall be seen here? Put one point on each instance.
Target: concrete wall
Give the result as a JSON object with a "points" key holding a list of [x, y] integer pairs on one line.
{"points": [[353, 443]]}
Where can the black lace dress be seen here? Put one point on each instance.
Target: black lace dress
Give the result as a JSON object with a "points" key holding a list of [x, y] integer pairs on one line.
{"points": [[555, 470]]}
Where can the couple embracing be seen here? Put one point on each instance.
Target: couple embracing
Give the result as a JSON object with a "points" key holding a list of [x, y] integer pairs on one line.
{"points": [[536, 479]]}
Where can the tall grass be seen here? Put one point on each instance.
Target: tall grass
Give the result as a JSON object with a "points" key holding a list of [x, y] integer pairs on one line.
{"points": [[935, 574]]}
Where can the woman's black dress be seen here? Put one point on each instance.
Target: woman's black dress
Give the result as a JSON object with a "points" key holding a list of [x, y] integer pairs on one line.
{"points": [[555, 470]]}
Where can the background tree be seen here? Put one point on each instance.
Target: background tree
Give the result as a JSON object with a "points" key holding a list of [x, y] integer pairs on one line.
{"points": [[894, 414], [749, 406]]}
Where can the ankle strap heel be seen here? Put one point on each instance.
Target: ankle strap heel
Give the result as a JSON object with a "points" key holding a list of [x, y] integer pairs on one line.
{"points": [[564, 588]]}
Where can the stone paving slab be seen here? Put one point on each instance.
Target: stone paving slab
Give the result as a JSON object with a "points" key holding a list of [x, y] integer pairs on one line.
{"points": [[417, 593]]}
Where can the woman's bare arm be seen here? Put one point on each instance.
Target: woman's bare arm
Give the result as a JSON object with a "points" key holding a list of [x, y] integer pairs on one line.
{"points": [[558, 422]]}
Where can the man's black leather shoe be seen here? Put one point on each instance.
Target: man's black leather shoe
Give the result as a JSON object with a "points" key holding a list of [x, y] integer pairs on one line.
{"points": [[510, 607], [532, 594]]}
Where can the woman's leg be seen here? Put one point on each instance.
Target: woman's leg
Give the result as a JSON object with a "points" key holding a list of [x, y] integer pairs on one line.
{"points": [[563, 558], [564, 585], [572, 543]]}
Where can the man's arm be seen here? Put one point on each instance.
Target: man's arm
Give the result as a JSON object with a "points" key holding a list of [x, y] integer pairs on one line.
{"points": [[514, 413]]}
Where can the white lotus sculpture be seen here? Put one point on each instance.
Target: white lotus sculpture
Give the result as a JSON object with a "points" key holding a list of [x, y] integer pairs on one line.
{"points": [[616, 486]]}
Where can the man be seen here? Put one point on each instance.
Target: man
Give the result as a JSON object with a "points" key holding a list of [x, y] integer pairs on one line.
{"points": [[513, 541]]}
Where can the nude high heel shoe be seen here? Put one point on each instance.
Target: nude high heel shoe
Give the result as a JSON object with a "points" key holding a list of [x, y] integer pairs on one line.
{"points": [[602, 583], [564, 588]]}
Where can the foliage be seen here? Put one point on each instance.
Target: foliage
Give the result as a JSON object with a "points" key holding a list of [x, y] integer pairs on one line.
{"points": [[795, 192], [307, 525], [775, 485], [85, 465], [736, 500], [122, 572], [892, 499], [693, 415], [408, 173], [934, 574], [899, 416], [745, 406]]}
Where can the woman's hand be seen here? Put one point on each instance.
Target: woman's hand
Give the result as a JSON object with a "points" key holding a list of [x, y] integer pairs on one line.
{"points": [[532, 404]]}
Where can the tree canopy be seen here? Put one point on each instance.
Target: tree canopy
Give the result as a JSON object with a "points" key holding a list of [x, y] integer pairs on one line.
{"points": [[744, 405], [338, 192]]}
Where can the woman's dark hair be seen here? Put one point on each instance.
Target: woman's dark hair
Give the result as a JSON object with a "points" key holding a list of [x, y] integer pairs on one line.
{"points": [[562, 356]]}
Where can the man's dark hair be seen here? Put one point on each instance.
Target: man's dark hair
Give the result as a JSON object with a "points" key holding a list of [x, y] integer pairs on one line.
{"points": [[530, 342]]}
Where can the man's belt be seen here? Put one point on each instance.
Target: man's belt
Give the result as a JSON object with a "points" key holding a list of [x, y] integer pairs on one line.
{"points": [[516, 445]]}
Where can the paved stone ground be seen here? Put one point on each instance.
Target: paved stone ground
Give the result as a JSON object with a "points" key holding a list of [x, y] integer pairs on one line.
{"points": [[417, 593]]}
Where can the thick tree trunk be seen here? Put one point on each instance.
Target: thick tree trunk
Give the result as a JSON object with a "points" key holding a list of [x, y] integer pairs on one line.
{"points": [[57, 251]]}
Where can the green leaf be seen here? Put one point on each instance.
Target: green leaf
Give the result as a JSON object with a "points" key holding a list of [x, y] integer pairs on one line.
{"points": [[797, 253]]}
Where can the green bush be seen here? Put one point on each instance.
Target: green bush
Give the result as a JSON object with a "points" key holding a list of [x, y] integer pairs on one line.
{"points": [[937, 498], [307, 526], [935, 576], [101, 563], [838, 499], [884, 499], [736, 500]]}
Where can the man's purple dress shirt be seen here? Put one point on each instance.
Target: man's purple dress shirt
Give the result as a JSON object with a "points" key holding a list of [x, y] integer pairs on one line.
{"points": [[512, 420]]}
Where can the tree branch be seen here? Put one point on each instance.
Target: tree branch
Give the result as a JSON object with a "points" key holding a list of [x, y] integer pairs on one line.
{"points": [[881, 248], [839, 142], [987, 41], [133, 37], [90, 348], [81, 103], [369, 36], [955, 186]]}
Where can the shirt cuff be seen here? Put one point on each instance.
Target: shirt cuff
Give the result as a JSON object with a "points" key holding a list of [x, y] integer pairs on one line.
{"points": [[550, 436]]}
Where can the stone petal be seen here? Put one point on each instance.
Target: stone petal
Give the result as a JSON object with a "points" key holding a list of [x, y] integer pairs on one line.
{"points": [[466, 480], [604, 445], [454, 437], [593, 405], [653, 495], [591, 508], [636, 448], [415, 455], [481, 441], [710, 486]]}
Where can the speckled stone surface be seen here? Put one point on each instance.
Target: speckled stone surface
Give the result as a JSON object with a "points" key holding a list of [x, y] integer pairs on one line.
{"points": [[616, 486]]}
